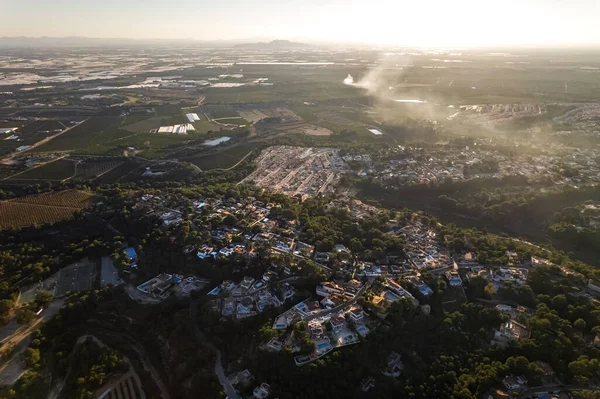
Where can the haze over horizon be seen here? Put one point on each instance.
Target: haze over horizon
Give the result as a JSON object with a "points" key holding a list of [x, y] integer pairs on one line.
{"points": [[463, 23]]}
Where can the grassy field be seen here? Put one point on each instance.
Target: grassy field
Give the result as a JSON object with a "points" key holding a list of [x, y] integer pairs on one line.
{"points": [[143, 126], [236, 120], [203, 126], [309, 91], [42, 208], [57, 170], [224, 159]]}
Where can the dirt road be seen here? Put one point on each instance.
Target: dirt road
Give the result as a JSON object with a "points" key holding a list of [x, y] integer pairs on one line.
{"points": [[11, 370], [39, 143]]}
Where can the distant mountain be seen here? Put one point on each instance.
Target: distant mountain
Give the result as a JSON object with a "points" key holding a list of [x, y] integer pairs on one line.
{"points": [[274, 44], [76, 41]]}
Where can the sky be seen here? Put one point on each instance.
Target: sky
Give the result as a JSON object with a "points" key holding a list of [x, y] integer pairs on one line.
{"points": [[447, 23]]}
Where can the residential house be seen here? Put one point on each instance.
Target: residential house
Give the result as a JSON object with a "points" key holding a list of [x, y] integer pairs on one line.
{"points": [[513, 383], [421, 286], [357, 315], [367, 383], [158, 286], [454, 279], [511, 330], [340, 248], [328, 288], [337, 323], [262, 391], [394, 365], [205, 251], [247, 283]]}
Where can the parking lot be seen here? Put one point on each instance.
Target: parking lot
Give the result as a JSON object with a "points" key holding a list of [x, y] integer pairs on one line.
{"points": [[76, 277]]}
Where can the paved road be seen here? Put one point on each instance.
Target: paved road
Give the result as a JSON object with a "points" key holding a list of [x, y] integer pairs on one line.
{"points": [[227, 387], [554, 388]]}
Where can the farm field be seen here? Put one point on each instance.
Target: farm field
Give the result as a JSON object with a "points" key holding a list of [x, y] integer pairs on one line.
{"points": [[306, 91], [218, 111], [42, 126], [60, 169], [104, 135], [122, 171], [93, 169], [31, 133], [95, 131], [253, 115], [204, 126], [312, 130], [42, 208], [234, 120], [145, 125], [224, 159]]}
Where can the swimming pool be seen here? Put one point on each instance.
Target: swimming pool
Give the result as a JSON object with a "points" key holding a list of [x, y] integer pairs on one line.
{"points": [[391, 296]]}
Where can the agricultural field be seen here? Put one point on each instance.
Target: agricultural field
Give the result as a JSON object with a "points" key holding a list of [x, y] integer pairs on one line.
{"points": [[42, 208], [305, 91], [122, 172], [224, 159], [313, 130], [95, 131], [93, 169], [31, 133], [43, 126], [104, 135], [253, 115], [143, 126], [218, 111], [58, 170], [204, 126]]}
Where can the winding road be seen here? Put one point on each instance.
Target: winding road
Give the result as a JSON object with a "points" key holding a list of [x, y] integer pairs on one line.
{"points": [[227, 387]]}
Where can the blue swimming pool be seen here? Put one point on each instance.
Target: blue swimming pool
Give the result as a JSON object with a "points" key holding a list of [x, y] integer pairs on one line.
{"points": [[323, 345], [390, 296]]}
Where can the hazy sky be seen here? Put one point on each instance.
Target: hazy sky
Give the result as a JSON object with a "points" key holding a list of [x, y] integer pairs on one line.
{"points": [[418, 22]]}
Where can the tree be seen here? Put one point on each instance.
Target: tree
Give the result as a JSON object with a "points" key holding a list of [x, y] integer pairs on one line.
{"points": [[25, 316], [579, 324], [559, 302], [32, 357], [326, 245], [43, 298], [489, 291], [6, 305]]}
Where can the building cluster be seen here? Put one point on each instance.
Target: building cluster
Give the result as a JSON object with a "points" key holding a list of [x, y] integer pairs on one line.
{"points": [[165, 285], [424, 249], [332, 317], [298, 171], [436, 165], [223, 225], [333, 320], [250, 296]]}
